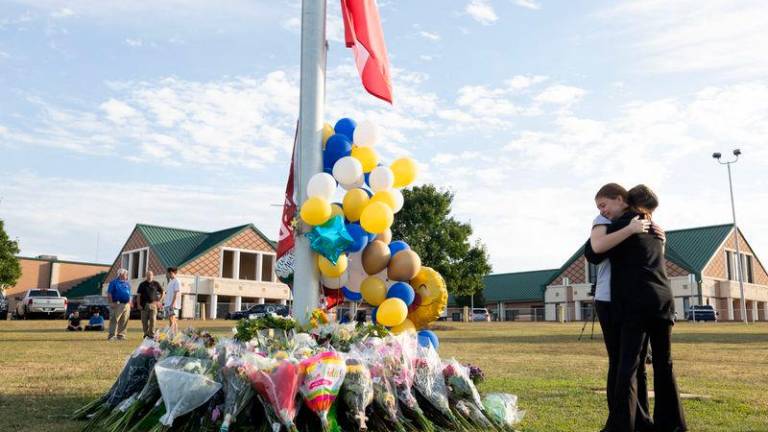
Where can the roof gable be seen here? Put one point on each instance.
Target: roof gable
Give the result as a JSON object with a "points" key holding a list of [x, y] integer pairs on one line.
{"points": [[519, 286], [696, 246]]}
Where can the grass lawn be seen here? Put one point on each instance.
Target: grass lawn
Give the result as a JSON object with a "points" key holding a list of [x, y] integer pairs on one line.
{"points": [[46, 373]]}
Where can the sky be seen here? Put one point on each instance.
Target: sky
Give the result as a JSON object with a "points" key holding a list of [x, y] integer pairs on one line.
{"points": [[182, 113]]}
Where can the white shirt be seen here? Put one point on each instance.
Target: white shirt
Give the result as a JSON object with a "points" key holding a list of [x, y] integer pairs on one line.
{"points": [[173, 288], [603, 283]]}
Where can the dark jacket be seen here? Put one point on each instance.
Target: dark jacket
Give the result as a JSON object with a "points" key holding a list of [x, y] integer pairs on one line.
{"points": [[640, 288], [149, 292]]}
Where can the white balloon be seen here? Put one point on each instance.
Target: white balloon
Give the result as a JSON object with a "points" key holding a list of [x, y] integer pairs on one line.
{"points": [[347, 170], [381, 178], [321, 185], [335, 282], [367, 133], [354, 185], [399, 200], [356, 272]]}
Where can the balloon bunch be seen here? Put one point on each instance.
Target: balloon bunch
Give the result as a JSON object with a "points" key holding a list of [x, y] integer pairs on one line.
{"points": [[353, 239]]}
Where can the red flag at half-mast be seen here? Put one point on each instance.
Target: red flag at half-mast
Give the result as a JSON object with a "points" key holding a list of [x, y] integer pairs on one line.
{"points": [[363, 33]]}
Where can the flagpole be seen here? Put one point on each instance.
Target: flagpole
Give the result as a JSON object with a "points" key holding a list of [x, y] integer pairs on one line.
{"points": [[306, 280]]}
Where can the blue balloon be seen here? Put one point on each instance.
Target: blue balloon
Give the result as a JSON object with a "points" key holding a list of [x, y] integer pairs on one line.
{"points": [[403, 291], [346, 127], [351, 295], [367, 177], [397, 246], [427, 338], [336, 148], [373, 314], [359, 235]]}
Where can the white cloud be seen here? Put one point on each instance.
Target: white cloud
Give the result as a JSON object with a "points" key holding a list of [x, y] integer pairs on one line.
{"points": [[429, 35], [134, 42], [560, 95], [63, 13], [113, 208], [117, 111], [481, 11], [528, 4], [692, 36]]}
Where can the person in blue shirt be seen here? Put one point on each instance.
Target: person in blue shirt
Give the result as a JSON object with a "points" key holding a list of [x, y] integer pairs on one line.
{"points": [[96, 323], [119, 293]]}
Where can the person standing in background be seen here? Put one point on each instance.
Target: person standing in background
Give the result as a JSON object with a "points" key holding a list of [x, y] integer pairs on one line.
{"points": [[150, 292]]}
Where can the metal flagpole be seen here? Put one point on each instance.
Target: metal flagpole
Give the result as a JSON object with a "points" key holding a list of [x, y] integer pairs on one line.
{"points": [[309, 161]]}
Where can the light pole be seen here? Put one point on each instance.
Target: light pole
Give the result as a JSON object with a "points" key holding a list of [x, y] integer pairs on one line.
{"points": [[718, 156]]}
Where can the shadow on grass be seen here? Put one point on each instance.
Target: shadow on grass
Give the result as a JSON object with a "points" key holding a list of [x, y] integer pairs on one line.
{"points": [[41, 412]]}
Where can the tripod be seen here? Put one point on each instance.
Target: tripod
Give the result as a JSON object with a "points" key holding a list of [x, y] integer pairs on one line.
{"points": [[594, 315]]}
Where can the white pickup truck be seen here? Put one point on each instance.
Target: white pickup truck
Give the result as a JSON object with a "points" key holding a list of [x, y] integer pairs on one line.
{"points": [[41, 303]]}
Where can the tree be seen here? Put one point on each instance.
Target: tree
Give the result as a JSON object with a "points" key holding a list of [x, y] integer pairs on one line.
{"points": [[10, 270], [441, 241]]}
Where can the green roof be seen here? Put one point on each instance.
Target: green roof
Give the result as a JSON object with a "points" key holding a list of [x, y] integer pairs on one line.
{"points": [[690, 248], [519, 286], [176, 247], [90, 286]]}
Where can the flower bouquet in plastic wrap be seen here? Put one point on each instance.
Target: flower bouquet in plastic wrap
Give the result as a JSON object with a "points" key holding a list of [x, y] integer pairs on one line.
{"points": [[277, 383], [238, 392], [323, 374], [131, 380], [430, 384], [502, 409], [386, 414], [185, 383], [397, 356], [357, 390]]}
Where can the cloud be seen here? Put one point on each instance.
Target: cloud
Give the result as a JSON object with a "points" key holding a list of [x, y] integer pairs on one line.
{"points": [[692, 36], [63, 13], [481, 11], [429, 35], [559, 94], [528, 4], [115, 207], [134, 42]]}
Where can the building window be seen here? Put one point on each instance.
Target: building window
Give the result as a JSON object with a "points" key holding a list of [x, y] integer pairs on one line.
{"points": [[267, 268], [748, 269], [730, 274], [732, 264], [248, 265], [136, 262], [228, 264]]}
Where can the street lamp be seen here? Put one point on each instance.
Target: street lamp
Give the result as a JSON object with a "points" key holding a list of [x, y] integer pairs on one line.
{"points": [[718, 157]]}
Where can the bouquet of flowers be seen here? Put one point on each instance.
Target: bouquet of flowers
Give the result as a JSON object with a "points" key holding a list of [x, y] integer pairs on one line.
{"points": [[430, 384], [323, 375], [357, 390], [460, 386], [398, 358], [502, 409], [185, 384], [277, 382], [475, 373], [237, 389], [131, 380], [383, 392]]}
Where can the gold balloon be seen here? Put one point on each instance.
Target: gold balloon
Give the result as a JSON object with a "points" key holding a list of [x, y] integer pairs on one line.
{"points": [[405, 170], [377, 217], [367, 157], [385, 237], [433, 296], [373, 290], [404, 266], [315, 211], [328, 269], [386, 197], [391, 312], [406, 326], [327, 132], [375, 257]]}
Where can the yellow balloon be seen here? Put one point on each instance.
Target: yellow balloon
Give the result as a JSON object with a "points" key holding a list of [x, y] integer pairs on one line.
{"points": [[433, 296], [392, 312], [367, 156], [377, 218], [405, 170], [327, 132], [406, 326], [355, 201], [374, 290], [315, 211], [385, 196], [328, 269], [336, 210]]}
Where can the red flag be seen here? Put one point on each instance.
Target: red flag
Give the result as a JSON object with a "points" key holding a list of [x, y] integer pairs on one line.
{"points": [[363, 33], [285, 241]]}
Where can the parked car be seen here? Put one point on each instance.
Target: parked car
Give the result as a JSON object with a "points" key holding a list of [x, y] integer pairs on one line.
{"points": [[481, 314], [41, 303], [259, 310], [701, 313], [3, 307]]}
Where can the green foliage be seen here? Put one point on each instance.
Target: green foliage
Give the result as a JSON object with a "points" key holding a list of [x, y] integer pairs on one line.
{"points": [[10, 270], [441, 241]]}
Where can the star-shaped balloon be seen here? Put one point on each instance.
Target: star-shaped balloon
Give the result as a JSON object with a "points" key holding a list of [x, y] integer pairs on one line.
{"points": [[330, 239]]}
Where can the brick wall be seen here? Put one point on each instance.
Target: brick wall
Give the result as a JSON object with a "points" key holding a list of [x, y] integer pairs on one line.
{"points": [[717, 266], [208, 263]]}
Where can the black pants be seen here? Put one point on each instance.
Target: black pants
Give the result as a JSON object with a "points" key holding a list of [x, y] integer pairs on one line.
{"points": [[668, 413], [612, 338]]}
